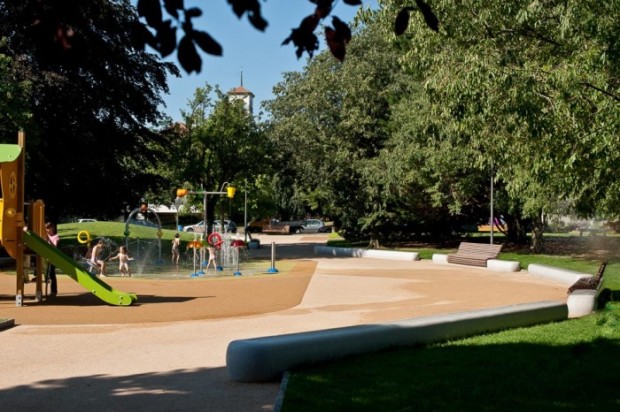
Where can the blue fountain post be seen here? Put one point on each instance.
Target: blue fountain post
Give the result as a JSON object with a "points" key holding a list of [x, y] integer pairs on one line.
{"points": [[273, 269], [237, 272], [219, 259], [202, 259]]}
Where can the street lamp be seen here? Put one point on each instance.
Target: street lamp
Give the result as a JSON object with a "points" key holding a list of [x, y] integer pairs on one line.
{"points": [[245, 212], [178, 202], [491, 207], [230, 193]]}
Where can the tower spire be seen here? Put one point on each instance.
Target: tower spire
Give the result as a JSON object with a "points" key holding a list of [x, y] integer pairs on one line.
{"points": [[241, 77]]}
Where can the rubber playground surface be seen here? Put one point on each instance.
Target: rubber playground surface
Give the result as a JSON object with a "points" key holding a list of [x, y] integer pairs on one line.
{"points": [[167, 352]]}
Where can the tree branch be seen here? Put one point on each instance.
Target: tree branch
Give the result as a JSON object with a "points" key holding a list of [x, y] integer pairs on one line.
{"points": [[605, 92]]}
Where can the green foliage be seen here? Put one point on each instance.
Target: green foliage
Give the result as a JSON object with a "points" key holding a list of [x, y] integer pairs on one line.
{"points": [[218, 142], [527, 90], [14, 97], [92, 97]]}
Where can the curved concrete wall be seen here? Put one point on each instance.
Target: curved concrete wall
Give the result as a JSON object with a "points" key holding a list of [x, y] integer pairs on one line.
{"points": [[265, 359], [564, 276], [366, 253]]}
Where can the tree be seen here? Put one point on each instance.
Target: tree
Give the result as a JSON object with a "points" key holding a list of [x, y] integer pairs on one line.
{"points": [[93, 98], [530, 90], [14, 111], [329, 125], [219, 142]]}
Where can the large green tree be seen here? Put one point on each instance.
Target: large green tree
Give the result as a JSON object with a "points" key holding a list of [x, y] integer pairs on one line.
{"points": [[14, 99], [529, 90], [219, 142], [92, 100], [330, 123]]}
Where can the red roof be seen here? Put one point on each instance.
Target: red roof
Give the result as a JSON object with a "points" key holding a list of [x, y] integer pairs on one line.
{"points": [[240, 90]]}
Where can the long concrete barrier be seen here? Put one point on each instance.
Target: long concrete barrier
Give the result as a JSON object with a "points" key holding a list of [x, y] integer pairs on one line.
{"points": [[366, 253], [564, 276], [267, 358]]}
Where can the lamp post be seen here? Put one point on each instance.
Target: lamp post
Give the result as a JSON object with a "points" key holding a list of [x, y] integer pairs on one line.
{"points": [[178, 202], [230, 192], [245, 212], [492, 217]]}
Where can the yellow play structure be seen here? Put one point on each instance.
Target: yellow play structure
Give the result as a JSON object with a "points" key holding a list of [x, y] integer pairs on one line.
{"points": [[21, 240]]}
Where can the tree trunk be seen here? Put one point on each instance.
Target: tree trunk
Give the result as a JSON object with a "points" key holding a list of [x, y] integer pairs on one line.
{"points": [[517, 229], [373, 243], [538, 225]]}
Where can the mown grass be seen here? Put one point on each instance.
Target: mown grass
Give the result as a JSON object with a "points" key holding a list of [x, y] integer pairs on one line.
{"points": [[571, 365], [114, 231], [564, 366]]}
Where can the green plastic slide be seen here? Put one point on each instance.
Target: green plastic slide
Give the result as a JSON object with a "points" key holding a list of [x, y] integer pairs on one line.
{"points": [[70, 267]]}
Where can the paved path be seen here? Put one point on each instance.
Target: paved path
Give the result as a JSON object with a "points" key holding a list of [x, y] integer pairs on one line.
{"points": [[180, 366]]}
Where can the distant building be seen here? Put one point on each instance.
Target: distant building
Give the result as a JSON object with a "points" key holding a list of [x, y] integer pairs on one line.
{"points": [[241, 93]]}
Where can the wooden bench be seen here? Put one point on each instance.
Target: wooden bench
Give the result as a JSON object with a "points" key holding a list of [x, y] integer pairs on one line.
{"points": [[277, 229], [474, 254], [590, 283]]}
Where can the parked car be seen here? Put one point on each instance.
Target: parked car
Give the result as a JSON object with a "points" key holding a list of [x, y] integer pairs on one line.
{"points": [[229, 225], [256, 226], [198, 227], [313, 226], [217, 226]]}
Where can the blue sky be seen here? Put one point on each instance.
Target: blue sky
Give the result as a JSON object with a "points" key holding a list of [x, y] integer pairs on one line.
{"points": [[258, 54]]}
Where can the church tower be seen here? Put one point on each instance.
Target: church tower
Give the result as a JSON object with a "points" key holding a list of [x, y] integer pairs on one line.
{"points": [[243, 94]]}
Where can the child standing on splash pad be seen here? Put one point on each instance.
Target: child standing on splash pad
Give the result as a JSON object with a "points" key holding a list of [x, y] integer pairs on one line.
{"points": [[123, 261], [211, 250], [95, 258], [175, 249]]}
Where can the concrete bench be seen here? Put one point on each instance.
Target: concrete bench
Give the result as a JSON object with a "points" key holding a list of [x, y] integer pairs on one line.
{"points": [[581, 299], [440, 258], [497, 265], [366, 253], [267, 358], [474, 254]]}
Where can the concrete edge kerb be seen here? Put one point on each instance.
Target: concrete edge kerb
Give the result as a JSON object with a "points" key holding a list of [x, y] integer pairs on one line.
{"points": [[563, 276], [267, 358], [366, 253]]}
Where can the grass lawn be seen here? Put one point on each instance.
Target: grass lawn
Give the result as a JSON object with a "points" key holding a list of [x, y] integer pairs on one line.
{"points": [[564, 366], [570, 365], [114, 231]]}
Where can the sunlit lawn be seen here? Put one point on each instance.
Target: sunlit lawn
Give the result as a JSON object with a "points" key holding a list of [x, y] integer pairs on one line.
{"points": [[569, 365]]}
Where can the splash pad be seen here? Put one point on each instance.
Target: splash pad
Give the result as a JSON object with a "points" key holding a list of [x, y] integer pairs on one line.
{"points": [[233, 259], [229, 251]]}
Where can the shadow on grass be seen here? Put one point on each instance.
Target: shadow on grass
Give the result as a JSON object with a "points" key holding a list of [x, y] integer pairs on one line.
{"points": [[509, 377]]}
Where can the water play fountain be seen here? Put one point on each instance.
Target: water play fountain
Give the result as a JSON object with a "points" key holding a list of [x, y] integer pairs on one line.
{"points": [[145, 252]]}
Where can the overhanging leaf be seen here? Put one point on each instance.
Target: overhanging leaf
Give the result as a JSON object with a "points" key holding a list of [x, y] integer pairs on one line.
{"points": [[336, 44], [172, 6], [151, 11], [402, 21], [207, 43], [431, 20], [188, 56]]}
